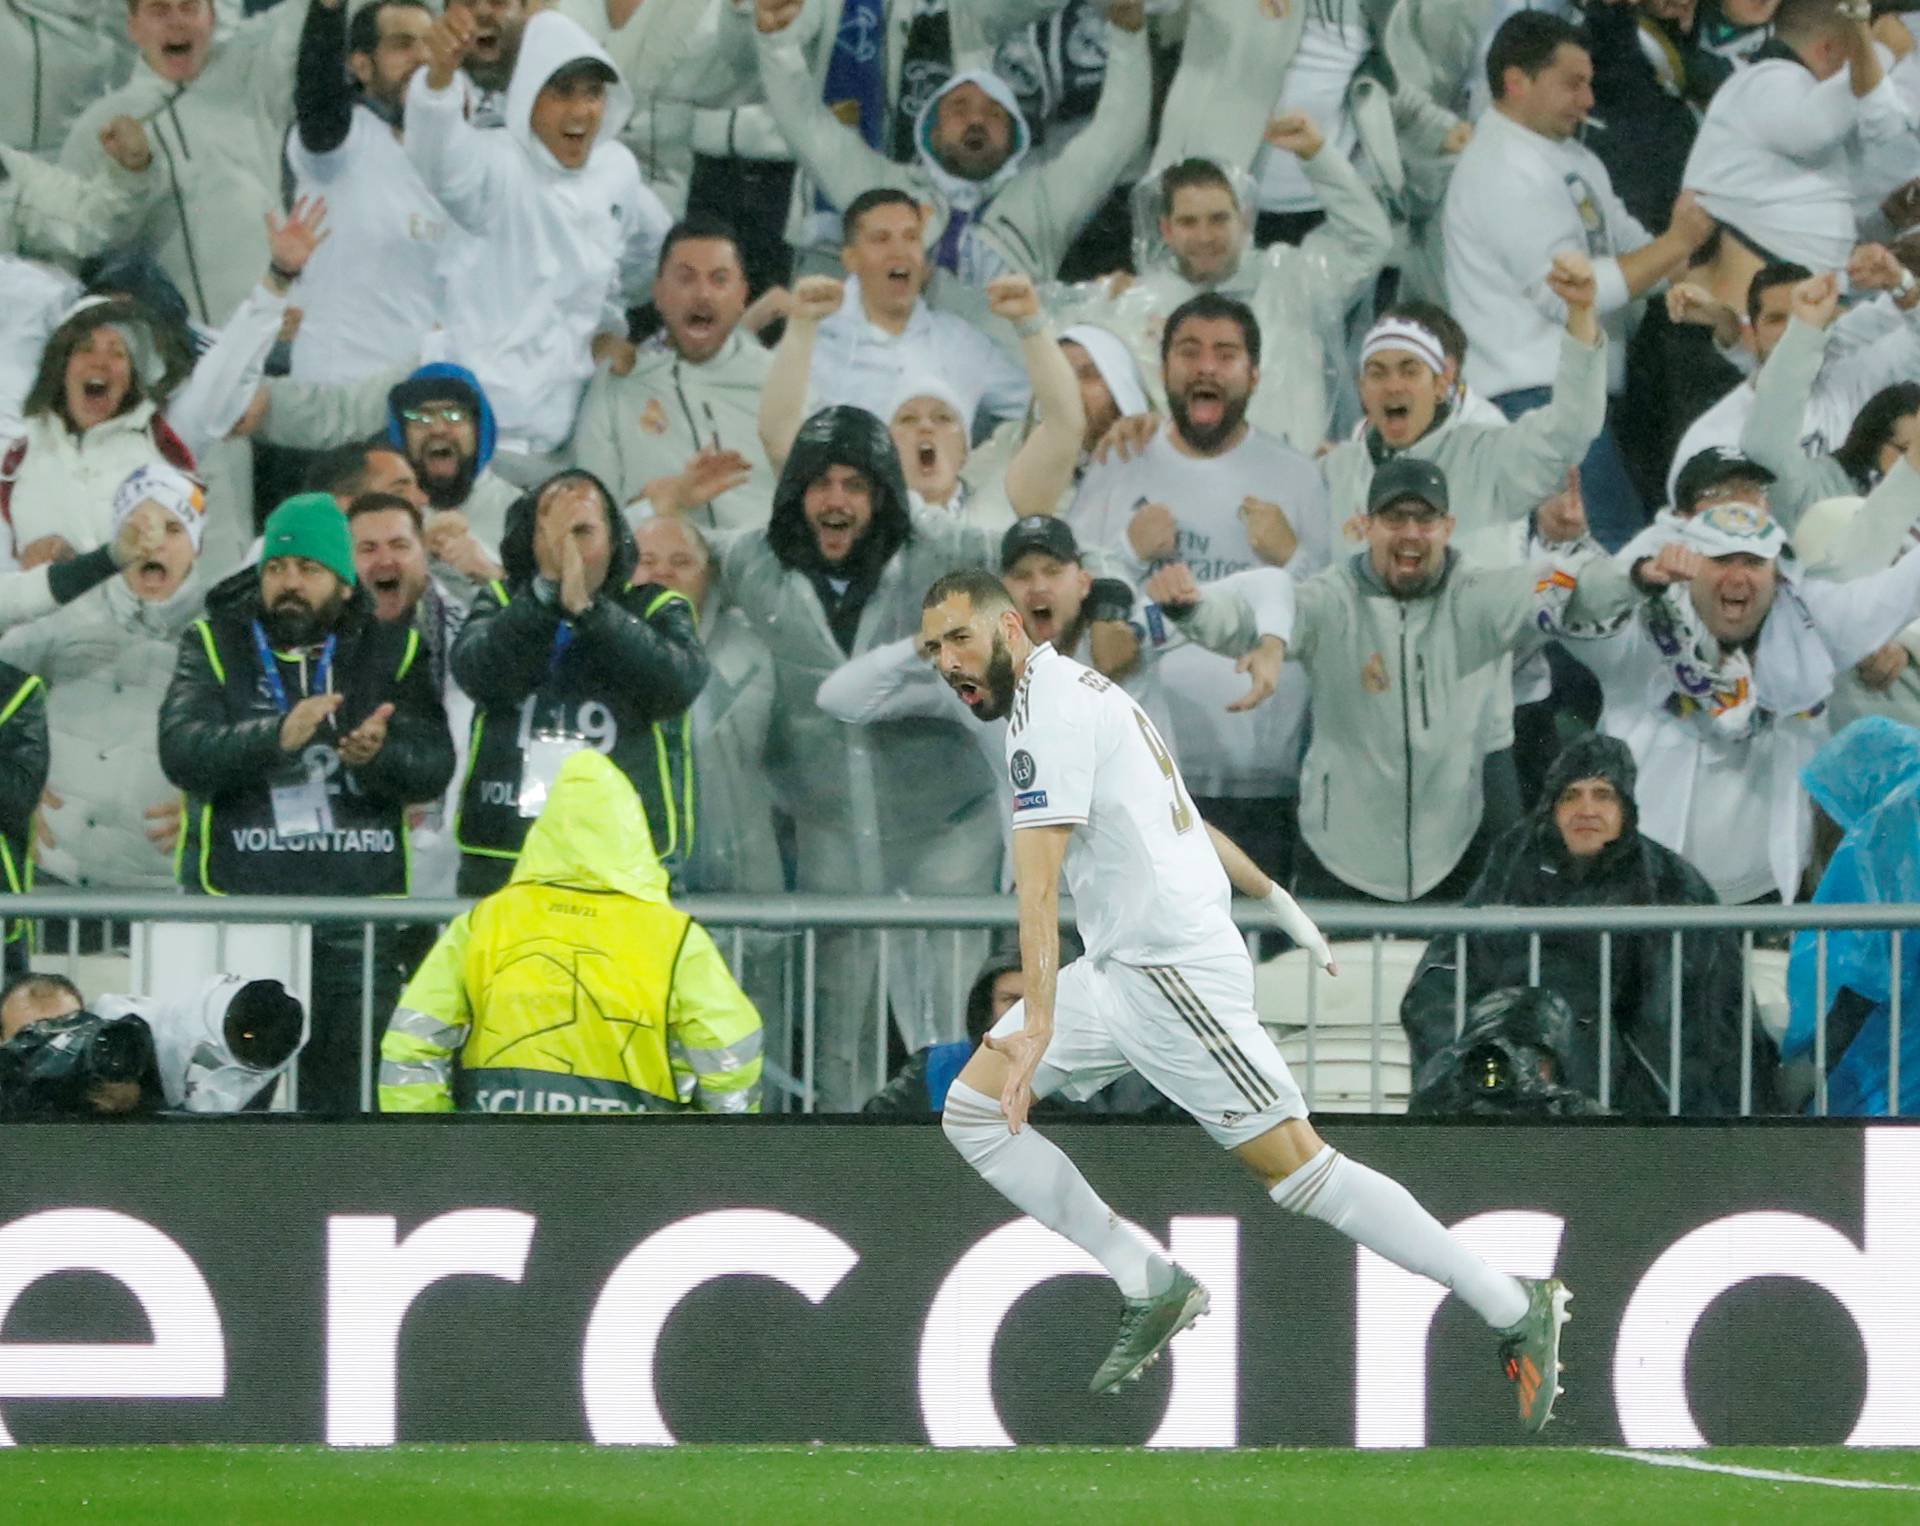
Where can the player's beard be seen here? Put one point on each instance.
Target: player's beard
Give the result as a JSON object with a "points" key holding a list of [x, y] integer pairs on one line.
{"points": [[999, 682]]}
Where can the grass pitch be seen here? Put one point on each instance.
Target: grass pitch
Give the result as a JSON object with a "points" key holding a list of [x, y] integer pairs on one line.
{"points": [[718, 1486]]}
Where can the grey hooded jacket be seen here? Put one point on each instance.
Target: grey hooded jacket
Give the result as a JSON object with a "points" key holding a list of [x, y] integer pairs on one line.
{"points": [[1390, 793]]}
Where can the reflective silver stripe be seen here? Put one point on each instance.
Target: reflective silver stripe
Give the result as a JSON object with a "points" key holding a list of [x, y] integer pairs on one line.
{"points": [[741, 1101], [429, 1030], [393, 1073], [715, 1061]]}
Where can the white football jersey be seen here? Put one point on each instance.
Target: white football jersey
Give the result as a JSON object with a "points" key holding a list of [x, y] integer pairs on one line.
{"points": [[1147, 885]]}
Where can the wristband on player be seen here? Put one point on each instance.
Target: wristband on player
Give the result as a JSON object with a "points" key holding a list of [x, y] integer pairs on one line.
{"points": [[1298, 926]]}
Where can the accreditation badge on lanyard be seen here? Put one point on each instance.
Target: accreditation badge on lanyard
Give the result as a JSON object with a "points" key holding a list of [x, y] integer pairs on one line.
{"points": [[301, 804], [547, 749]]}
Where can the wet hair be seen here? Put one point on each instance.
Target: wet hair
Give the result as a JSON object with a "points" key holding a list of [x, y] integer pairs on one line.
{"points": [[865, 202], [1211, 304], [1188, 175], [1527, 41], [342, 469], [1774, 273], [386, 503], [1805, 20], [700, 225], [363, 31], [1859, 453], [985, 591]]}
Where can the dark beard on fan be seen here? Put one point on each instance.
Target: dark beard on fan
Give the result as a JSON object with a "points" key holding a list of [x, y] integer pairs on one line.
{"points": [[293, 623]]}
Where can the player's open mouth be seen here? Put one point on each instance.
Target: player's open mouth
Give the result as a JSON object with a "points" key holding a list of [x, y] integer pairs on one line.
{"points": [[969, 691]]}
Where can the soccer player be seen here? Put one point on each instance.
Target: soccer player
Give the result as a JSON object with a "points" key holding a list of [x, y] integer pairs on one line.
{"points": [[1166, 989]]}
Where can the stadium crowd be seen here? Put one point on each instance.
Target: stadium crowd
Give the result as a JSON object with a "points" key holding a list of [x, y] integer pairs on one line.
{"points": [[1483, 440]]}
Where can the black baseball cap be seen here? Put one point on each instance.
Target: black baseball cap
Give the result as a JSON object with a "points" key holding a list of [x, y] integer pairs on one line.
{"points": [[1407, 477], [1707, 469], [1038, 532]]}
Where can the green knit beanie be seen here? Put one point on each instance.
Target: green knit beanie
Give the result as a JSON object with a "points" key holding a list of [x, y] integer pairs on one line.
{"points": [[311, 525]]}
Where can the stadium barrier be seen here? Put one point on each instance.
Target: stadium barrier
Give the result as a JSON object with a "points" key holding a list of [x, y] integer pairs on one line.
{"points": [[1328, 1051], [793, 1280]]}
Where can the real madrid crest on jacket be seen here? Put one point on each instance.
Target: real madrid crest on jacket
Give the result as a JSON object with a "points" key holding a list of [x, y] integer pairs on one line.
{"points": [[264, 819], [617, 677]]}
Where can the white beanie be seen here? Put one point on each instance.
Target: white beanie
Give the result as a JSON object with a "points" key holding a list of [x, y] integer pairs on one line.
{"points": [[169, 487]]}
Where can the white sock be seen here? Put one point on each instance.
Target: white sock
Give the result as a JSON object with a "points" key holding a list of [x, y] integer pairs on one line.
{"points": [[1382, 1215], [1031, 1173]]}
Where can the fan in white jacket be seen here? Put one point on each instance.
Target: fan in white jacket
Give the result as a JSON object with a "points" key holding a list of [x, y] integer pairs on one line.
{"points": [[111, 816], [565, 231], [1720, 686], [106, 400], [1299, 294], [217, 110]]}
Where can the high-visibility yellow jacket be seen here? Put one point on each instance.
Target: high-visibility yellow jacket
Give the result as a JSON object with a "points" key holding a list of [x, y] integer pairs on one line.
{"points": [[578, 988]]}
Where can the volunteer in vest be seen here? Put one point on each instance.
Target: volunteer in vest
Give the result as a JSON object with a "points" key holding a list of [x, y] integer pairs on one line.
{"points": [[562, 656], [632, 1005], [301, 728], [24, 757]]}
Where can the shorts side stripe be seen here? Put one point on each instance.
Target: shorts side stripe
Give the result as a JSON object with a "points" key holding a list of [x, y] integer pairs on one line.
{"points": [[1213, 1025], [1213, 1038]]}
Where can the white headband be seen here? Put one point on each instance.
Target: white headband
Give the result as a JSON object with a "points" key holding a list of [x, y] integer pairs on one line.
{"points": [[1404, 334]]}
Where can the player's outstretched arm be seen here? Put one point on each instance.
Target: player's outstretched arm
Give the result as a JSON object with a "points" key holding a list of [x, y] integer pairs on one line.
{"points": [[1250, 880], [1038, 853]]}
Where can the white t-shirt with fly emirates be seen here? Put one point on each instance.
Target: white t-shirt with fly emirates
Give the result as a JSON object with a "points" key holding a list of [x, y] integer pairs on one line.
{"points": [[1147, 885], [1250, 755]]}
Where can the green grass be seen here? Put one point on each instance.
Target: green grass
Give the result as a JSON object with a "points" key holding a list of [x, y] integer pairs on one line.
{"points": [[719, 1486]]}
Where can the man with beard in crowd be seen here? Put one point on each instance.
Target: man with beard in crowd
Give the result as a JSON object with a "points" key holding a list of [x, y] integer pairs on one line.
{"points": [[301, 729], [1211, 490], [680, 429], [373, 466], [1299, 294], [562, 654], [837, 572], [440, 419], [367, 297]]}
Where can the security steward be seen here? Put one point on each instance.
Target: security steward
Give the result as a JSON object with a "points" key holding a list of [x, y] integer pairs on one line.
{"points": [[300, 729], [579, 987]]}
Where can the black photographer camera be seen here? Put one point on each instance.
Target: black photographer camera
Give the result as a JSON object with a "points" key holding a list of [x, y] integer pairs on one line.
{"points": [[78, 1065], [1509, 1061]]}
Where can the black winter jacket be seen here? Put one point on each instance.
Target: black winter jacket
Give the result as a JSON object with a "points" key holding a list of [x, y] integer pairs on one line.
{"points": [[1529, 866], [220, 743]]}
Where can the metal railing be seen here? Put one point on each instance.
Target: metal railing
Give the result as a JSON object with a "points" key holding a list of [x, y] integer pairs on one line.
{"points": [[897, 925]]}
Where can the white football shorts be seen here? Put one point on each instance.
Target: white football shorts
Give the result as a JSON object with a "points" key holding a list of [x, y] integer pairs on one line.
{"points": [[1188, 1028]]}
